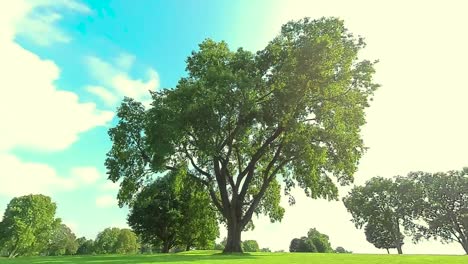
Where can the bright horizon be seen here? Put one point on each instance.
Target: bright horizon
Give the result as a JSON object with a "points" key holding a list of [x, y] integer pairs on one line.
{"points": [[67, 64]]}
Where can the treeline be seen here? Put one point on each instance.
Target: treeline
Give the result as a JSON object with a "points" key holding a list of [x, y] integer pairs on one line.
{"points": [[29, 227], [421, 205]]}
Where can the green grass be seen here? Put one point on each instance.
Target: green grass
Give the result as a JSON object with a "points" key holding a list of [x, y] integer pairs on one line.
{"points": [[202, 257]]}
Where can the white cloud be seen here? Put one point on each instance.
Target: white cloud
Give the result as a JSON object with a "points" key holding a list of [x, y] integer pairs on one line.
{"points": [[39, 24], [106, 201], [35, 113], [21, 178], [109, 98], [117, 82], [125, 61], [87, 175]]}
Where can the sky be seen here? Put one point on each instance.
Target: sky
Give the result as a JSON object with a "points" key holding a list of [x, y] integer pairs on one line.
{"points": [[66, 64]]}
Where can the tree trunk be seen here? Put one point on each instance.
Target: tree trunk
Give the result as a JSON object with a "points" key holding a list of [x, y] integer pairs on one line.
{"points": [[166, 247], [388, 251], [233, 243], [400, 251], [187, 248], [465, 247]]}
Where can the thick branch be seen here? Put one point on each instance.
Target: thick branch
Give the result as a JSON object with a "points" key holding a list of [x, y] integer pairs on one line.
{"points": [[259, 195], [197, 168], [258, 154]]}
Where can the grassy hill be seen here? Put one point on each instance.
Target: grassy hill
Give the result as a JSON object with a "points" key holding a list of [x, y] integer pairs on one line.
{"points": [[202, 257]]}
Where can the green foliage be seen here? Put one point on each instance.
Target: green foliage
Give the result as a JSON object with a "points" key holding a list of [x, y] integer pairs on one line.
{"points": [[293, 109], [445, 206], [106, 241], [27, 225], [314, 242], [127, 242], [265, 250], [383, 206], [341, 250], [85, 246], [62, 242], [250, 246], [320, 241], [302, 245], [175, 210]]}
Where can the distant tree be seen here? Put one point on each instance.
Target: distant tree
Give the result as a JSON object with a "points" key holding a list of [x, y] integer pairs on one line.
{"points": [[127, 242], [302, 245], [221, 245], [198, 226], [320, 241], [445, 209], [250, 246], [386, 206], [176, 211], [106, 241], [85, 246], [265, 250], [314, 242], [62, 242], [342, 250], [27, 225], [244, 122]]}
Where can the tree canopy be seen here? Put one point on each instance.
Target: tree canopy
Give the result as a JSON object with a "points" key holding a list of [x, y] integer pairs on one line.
{"points": [[245, 121], [382, 206], [444, 213], [250, 246], [62, 242], [174, 210], [313, 242], [27, 225]]}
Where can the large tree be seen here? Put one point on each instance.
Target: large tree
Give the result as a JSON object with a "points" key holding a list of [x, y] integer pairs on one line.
{"points": [[384, 206], [27, 225], [291, 112], [445, 209], [174, 210]]}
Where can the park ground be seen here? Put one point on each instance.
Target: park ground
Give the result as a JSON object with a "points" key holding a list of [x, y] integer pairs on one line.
{"points": [[202, 257]]}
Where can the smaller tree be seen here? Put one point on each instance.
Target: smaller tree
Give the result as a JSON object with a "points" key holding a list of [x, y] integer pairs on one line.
{"points": [[385, 205], [127, 242], [314, 242], [27, 225], [319, 240], [302, 245], [342, 250], [250, 246], [445, 206], [85, 246], [62, 242], [106, 241], [379, 234], [175, 211]]}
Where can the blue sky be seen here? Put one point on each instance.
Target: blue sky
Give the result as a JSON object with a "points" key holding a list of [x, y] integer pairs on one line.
{"points": [[66, 64]]}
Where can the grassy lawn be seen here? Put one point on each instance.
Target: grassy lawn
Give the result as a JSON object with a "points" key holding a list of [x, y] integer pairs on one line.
{"points": [[202, 257]]}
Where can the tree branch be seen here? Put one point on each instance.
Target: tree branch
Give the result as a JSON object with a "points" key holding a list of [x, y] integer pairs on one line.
{"points": [[258, 154]]}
